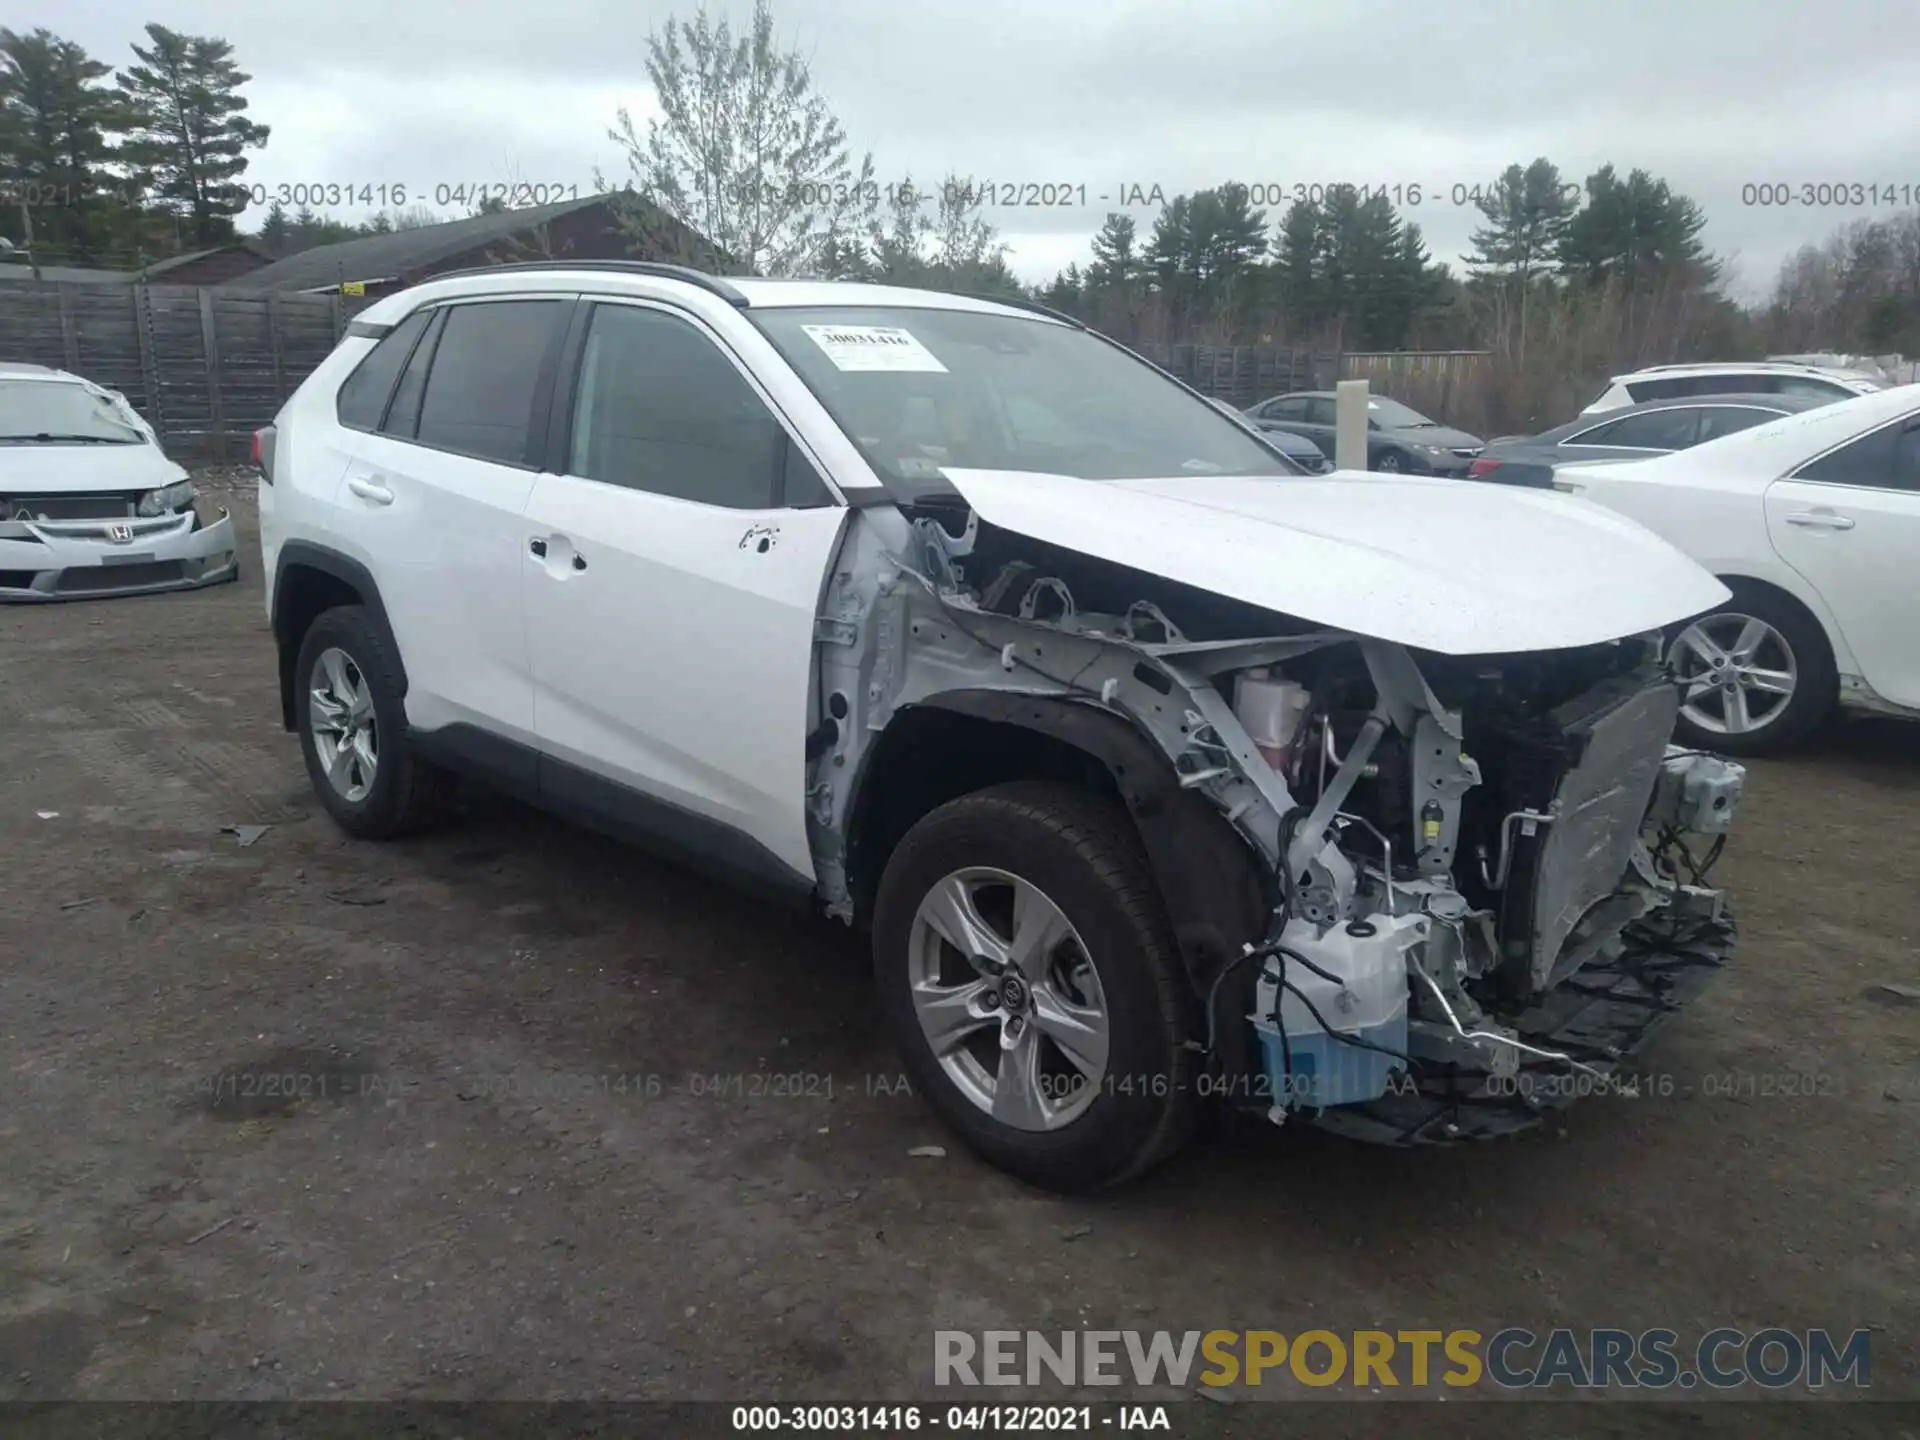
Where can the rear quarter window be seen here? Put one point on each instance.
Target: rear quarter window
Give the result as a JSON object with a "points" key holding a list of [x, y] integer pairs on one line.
{"points": [[363, 398]]}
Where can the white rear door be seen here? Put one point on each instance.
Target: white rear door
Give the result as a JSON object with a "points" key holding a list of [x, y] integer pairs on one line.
{"points": [[1850, 523], [673, 571], [435, 497]]}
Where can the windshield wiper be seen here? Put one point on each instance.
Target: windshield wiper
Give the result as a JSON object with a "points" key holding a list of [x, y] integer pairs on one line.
{"points": [[46, 437]]}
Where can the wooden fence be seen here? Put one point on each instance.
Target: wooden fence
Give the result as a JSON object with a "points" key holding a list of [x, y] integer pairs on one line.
{"points": [[205, 367]]}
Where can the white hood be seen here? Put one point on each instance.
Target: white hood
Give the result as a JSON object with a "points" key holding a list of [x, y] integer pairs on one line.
{"points": [[84, 469], [1453, 566]]}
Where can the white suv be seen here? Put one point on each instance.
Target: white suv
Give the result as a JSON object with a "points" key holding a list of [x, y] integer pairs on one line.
{"points": [[1758, 377], [1156, 771]]}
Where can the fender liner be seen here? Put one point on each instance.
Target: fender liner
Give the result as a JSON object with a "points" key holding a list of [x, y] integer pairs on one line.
{"points": [[305, 555], [1216, 896]]}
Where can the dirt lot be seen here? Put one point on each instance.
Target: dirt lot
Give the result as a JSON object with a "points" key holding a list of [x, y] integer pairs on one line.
{"points": [[511, 1176]]}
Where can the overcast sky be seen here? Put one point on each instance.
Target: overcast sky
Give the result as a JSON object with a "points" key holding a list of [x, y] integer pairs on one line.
{"points": [[1710, 94]]}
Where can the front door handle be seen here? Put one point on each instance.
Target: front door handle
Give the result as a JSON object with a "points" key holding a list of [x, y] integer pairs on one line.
{"points": [[537, 548], [368, 487], [1819, 520]]}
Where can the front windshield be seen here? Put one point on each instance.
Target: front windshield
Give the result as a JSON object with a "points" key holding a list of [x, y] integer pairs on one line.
{"points": [[1392, 415], [922, 391], [61, 412]]}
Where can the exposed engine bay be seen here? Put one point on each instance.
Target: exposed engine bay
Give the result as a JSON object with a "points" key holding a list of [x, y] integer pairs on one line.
{"points": [[1484, 879]]}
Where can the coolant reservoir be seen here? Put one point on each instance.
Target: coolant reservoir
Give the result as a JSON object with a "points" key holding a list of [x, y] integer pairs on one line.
{"points": [[1366, 1001], [1271, 710]]}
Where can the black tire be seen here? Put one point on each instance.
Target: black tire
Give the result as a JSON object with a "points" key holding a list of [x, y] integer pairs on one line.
{"points": [[1082, 851], [407, 793], [1392, 462], [1816, 686]]}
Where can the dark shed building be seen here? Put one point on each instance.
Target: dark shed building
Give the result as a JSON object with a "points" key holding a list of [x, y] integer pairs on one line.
{"points": [[587, 229]]}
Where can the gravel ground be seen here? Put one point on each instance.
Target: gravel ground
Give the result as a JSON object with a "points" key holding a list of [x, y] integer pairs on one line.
{"points": [[542, 1152]]}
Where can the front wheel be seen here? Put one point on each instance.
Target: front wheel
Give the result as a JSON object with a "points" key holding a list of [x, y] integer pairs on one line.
{"points": [[1392, 463], [1025, 966], [1758, 675]]}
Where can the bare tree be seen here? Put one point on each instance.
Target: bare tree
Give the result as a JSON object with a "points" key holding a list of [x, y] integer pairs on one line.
{"points": [[745, 153]]}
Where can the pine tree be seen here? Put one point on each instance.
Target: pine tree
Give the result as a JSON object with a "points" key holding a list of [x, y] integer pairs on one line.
{"points": [[57, 122], [189, 132], [275, 229]]}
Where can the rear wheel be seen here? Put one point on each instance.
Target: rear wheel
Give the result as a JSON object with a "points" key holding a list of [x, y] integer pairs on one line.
{"points": [[353, 730], [1758, 674], [1025, 966]]}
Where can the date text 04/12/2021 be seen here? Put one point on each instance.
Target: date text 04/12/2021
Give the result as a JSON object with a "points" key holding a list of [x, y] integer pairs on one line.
{"points": [[956, 1419]]}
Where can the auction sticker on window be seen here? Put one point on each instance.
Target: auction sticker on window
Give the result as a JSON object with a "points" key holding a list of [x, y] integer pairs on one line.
{"points": [[873, 347]]}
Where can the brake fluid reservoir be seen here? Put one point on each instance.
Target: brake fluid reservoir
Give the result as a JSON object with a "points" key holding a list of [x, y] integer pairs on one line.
{"points": [[1365, 1002], [1271, 710]]}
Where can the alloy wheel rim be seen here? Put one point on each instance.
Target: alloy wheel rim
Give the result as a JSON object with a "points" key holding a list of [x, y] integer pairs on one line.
{"points": [[1739, 673], [346, 736], [1007, 996]]}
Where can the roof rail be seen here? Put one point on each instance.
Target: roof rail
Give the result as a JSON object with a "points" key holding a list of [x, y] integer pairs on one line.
{"points": [[712, 284], [1022, 303]]}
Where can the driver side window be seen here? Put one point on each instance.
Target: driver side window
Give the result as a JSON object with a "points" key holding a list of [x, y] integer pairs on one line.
{"points": [[658, 407]]}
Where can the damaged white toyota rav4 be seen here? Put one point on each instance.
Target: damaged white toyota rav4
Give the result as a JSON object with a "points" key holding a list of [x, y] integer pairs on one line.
{"points": [[1161, 775]]}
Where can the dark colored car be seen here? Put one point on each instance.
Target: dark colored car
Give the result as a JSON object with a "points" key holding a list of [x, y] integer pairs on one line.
{"points": [[1657, 427], [1311, 459], [1399, 439]]}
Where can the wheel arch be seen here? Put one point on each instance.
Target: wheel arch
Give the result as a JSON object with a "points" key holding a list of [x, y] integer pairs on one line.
{"points": [[309, 580], [1801, 598], [965, 740]]}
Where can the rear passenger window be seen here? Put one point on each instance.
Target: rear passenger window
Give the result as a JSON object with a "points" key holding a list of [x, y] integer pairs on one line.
{"points": [[363, 399], [480, 391], [1718, 420], [659, 408], [1653, 430], [1886, 459], [1672, 387]]}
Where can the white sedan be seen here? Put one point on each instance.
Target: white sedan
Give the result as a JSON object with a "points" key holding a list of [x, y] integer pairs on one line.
{"points": [[90, 505], [1813, 521]]}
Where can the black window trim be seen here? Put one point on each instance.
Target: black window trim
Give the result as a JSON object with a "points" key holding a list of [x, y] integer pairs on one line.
{"points": [[1912, 417], [564, 397], [543, 384], [429, 337], [386, 401]]}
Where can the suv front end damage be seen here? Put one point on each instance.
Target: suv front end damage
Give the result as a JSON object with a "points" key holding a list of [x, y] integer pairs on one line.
{"points": [[1456, 889]]}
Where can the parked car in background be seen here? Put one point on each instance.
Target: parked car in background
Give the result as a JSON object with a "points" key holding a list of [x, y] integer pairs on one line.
{"points": [[1400, 440], [1813, 521], [1755, 377], [89, 503], [1296, 449], [1658, 427]]}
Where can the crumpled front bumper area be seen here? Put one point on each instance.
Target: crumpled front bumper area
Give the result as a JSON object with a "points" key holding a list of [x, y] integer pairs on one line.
{"points": [[1604, 1016], [44, 560]]}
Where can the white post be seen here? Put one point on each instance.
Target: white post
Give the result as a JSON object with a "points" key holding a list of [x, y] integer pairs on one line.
{"points": [[1350, 425]]}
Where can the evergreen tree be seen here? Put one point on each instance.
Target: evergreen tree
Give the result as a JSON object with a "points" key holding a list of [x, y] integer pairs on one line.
{"points": [[188, 129], [276, 229], [56, 127]]}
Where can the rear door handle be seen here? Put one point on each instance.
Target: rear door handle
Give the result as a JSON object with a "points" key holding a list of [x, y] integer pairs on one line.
{"points": [[368, 487], [537, 547], [1819, 520]]}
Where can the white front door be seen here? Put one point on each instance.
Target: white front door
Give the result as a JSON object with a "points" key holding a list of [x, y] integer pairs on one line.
{"points": [[1850, 523], [673, 572]]}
